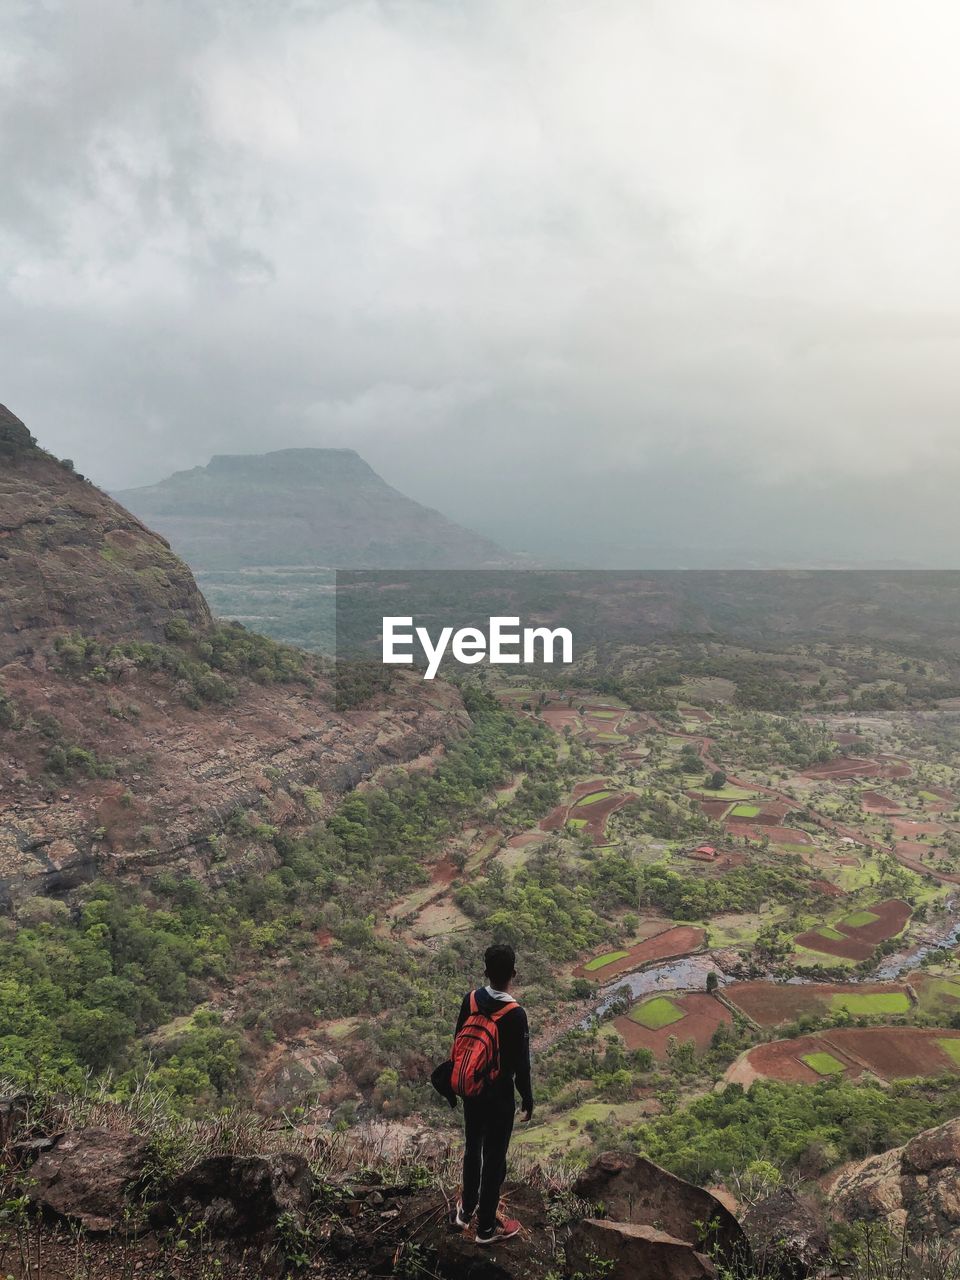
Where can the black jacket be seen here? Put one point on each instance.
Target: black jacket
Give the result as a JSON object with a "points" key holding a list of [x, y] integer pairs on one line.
{"points": [[514, 1034]]}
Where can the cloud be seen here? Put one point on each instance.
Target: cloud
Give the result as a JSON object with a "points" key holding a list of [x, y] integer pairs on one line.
{"points": [[570, 241]]}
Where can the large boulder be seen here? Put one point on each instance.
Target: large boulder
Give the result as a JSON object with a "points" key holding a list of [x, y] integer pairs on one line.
{"points": [[631, 1189], [788, 1235], [915, 1187], [629, 1250], [241, 1196], [89, 1177]]}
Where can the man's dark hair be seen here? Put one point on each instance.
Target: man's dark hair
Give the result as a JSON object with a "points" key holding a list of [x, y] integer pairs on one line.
{"points": [[500, 962]]}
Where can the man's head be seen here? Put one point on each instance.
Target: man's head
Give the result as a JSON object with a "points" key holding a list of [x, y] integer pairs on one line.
{"points": [[500, 964]]}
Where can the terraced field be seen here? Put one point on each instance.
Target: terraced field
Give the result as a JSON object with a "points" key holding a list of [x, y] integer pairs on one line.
{"points": [[889, 1053]]}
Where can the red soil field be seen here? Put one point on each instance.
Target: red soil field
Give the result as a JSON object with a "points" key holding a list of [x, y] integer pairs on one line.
{"points": [[860, 941], [845, 948], [597, 815], [587, 788], [891, 1053], [874, 802], [715, 808], [703, 1014], [893, 914], [828, 888], [594, 815], [776, 835], [894, 768], [844, 768], [558, 717], [555, 819], [697, 713], [771, 1003], [443, 872], [903, 827], [523, 839], [679, 940]]}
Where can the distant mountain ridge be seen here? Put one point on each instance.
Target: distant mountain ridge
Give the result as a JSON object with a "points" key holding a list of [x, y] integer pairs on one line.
{"points": [[302, 507]]}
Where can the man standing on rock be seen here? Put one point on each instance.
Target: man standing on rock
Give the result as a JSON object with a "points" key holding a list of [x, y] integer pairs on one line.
{"points": [[490, 1059]]}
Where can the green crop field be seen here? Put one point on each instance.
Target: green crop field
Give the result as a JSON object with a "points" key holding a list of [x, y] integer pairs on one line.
{"points": [[612, 737], [828, 931], [951, 1048], [859, 919], [872, 1003], [745, 810], [605, 715], [576, 823], [824, 1064], [656, 1013], [593, 798], [599, 962]]}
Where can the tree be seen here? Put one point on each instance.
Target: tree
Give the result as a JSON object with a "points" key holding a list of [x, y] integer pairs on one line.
{"points": [[718, 780], [713, 981]]}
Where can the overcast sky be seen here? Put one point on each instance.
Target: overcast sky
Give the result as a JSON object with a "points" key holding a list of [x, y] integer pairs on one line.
{"points": [[634, 270]]}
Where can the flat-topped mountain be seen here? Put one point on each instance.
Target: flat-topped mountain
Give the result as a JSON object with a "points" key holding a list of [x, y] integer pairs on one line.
{"points": [[302, 507], [71, 558]]}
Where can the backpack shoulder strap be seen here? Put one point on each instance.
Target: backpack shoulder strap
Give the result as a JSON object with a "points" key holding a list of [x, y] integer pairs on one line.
{"points": [[506, 1009], [473, 1003]]}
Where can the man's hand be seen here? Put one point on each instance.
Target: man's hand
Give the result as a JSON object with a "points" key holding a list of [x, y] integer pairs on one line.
{"points": [[525, 1114]]}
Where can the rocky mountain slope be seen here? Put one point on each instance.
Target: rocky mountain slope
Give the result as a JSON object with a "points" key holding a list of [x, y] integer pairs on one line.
{"points": [[132, 728], [302, 507], [71, 558]]}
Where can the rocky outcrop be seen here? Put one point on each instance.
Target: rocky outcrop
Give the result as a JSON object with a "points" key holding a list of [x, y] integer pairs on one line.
{"points": [[277, 755], [630, 1189], [788, 1235], [627, 1251], [241, 1196], [914, 1188], [88, 1177], [72, 559]]}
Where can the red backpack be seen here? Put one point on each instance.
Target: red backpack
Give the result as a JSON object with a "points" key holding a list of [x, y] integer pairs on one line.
{"points": [[476, 1050]]}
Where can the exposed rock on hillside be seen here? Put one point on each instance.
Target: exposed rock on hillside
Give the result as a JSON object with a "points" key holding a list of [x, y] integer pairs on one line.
{"points": [[71, 558], [634, 1190], [120, 765], [302, 507], [916, 1187], [241, 1196], [88, 1176], [629, 1250], [788, 1235], [275, 754]]}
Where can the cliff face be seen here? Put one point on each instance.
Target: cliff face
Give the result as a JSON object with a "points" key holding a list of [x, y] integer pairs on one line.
{"points": [[277, 755], [117, 765], [72, 559]]}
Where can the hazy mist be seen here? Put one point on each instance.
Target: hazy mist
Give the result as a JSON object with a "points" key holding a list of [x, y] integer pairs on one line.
{"points": [[614, 281]]}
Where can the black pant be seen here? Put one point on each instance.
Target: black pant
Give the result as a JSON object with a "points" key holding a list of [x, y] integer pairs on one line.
{"points": [[489, 1124]]}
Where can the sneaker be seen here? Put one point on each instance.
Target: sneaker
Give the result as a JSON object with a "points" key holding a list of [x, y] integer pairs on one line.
{"points": [[461, 1219], [505, 1229]]}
